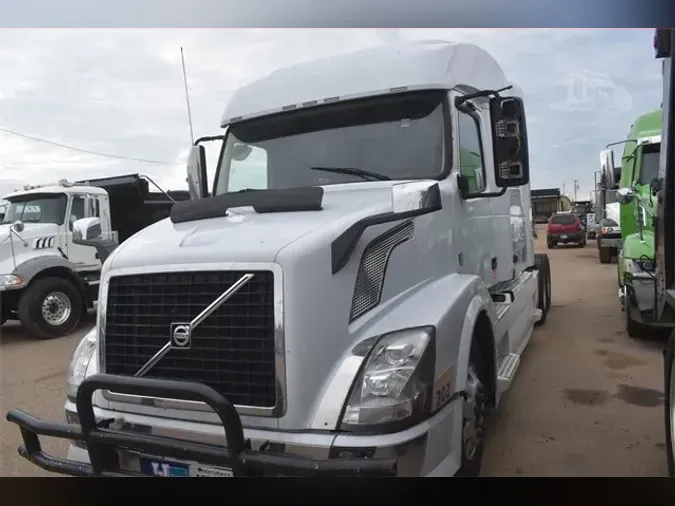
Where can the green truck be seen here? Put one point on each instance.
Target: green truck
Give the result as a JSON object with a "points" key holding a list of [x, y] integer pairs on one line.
{"points": [[636, 194]]}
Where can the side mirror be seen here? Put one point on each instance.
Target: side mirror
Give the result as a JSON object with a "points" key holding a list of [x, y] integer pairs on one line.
{"points": [[607, 168], [87, 229], [196, 173], [509, 142], [18, 226], [625, 195]]}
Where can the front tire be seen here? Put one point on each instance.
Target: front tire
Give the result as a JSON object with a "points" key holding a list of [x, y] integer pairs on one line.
{"points": [[473, 417], [543, 285], [605, 255], [50, 307]]}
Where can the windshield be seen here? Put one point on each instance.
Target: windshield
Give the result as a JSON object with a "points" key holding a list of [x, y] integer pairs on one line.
{"points": [[36, 209], [649, 163], [396, 137]]}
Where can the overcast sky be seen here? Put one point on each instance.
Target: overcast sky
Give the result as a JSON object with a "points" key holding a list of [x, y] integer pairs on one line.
{"points": [[121, 92]]}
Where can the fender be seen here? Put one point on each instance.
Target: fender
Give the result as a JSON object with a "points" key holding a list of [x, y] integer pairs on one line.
{"points": [[477, 305], [34, 266], [451, 304], [635, 248]]}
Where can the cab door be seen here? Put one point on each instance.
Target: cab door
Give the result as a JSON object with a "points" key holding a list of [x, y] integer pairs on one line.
{"points": [[84, 257]]}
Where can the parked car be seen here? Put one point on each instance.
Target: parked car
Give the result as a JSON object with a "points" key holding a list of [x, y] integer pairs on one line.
{"points": [[565, 228]]}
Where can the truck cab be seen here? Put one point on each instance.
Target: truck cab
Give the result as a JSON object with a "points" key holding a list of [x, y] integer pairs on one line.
{"points": [[350, 296], [48, 276], [637, 198]]}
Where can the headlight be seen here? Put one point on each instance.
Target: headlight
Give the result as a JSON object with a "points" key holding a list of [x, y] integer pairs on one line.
{"points": [[639, 267], [394, 385], [79, 363], [10, 280]]}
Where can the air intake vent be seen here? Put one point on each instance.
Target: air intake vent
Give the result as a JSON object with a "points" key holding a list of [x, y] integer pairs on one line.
{"points": [[370, 278]]}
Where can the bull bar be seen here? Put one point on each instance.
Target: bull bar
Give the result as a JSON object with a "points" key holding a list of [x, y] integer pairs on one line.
{"points": [[103, 442]]}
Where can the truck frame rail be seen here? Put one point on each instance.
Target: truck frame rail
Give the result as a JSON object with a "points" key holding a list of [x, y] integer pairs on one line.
{"points": [[103, 442]]}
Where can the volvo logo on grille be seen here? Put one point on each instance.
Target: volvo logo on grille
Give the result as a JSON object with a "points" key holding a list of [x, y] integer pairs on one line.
{"points": [[181, 335]]}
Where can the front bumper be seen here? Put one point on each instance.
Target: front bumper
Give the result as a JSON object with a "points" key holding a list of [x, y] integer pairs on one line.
{"points": [[609, 242], [104, 442], [639, 293], [99, 446]]}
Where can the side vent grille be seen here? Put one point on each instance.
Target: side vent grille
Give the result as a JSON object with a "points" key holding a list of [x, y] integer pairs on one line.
{"points": [[370, 278]]}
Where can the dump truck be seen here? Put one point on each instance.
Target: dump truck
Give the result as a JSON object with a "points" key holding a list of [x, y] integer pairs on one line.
{"points": [[48, 280], [351, 295], [636, 195]]}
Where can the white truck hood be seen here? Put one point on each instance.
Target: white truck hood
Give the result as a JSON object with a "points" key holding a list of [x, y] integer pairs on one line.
{"points": [[247, 236], [14, 251]]}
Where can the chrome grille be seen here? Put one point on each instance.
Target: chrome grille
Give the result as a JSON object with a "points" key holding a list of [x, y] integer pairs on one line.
{"points": [[232, 350]]}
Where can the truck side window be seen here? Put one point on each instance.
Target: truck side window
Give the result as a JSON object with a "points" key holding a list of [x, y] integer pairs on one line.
{"points": [[249, 172], [76, 210], [94, 210], [471, 152]]}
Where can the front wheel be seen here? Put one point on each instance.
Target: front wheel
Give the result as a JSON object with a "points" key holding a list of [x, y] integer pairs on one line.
{"points": [[50, 307], [543, 285], [669, 401], [473, 415], [605, 255]]}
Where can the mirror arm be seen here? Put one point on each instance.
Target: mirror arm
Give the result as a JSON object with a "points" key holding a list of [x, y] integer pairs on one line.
{"points": [[210, 138], [483, 93]]}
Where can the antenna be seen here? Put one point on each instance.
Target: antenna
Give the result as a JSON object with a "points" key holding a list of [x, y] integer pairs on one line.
{"points": [[187, 97]]}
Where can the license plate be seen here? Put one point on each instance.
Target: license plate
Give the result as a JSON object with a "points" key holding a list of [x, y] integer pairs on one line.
{"points": [[563, 237], [172, 469]]}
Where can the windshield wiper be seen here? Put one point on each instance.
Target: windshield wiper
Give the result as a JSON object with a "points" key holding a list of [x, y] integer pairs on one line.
{"points": [[363, 174]]}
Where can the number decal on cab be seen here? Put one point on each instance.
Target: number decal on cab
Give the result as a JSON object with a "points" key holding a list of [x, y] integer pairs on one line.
{"points": [[443, 389]]}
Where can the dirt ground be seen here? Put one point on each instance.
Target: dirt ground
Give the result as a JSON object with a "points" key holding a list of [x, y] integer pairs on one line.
{"points": [[587, 399]]}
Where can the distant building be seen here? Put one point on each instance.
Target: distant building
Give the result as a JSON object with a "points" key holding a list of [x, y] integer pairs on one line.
{"points": [[547, 201]]}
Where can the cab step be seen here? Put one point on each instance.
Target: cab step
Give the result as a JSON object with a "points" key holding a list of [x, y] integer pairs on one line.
{"points": [[506, 371], [508, 364], [537, 314]]}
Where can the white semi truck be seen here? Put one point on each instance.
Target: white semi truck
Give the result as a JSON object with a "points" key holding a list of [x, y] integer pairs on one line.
{"points": [[352, 296], [48, 280]]}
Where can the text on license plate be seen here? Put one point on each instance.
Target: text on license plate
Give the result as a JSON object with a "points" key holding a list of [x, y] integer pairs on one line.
{"points": [[167, 468]]}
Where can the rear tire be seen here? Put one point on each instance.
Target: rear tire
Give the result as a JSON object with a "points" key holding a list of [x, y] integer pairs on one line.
{"points": [[50, 307], [551, 245], [473, 418], [605, 255]]}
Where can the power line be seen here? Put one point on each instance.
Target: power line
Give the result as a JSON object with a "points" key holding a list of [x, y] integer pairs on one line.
{"points": [[87, 151]]}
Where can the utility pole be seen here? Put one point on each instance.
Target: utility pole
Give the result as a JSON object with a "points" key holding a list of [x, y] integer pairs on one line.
{"points": [[576, 187]]}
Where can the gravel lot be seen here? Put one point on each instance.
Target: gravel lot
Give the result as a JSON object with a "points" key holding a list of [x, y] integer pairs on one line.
{"points": [[587, 399]]}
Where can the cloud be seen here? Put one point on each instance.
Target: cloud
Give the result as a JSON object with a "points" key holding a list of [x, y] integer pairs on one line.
{"points": [[121, 91]]}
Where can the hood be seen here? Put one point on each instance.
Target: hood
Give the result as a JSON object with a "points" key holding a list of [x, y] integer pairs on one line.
{"points": [[14, 250], [247, 236], [613, 212]]}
